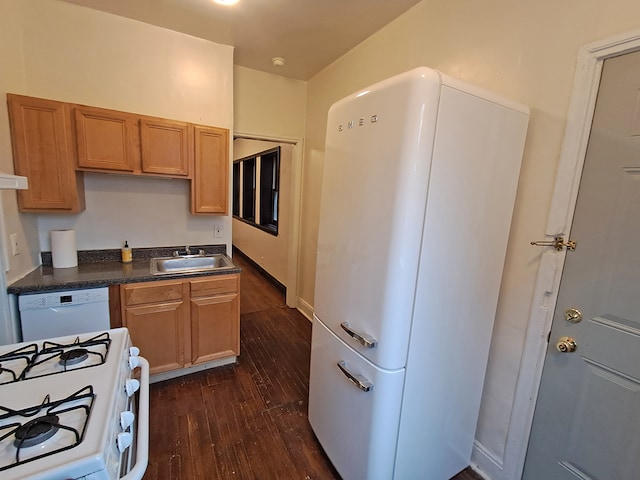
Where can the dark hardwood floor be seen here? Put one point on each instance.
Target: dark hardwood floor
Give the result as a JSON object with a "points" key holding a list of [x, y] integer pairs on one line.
{"points": [[248, 420]]}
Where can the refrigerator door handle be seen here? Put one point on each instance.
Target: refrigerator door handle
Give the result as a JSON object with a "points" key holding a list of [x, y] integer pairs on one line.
{"points": [[358, 380], [366, 340]]}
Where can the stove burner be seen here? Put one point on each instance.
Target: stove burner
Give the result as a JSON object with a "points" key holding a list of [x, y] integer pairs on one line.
{"points": [[73, 357], [36, 431], [54, 358]]}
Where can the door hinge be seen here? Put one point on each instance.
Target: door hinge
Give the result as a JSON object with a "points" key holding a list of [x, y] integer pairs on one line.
{"points": [[558, 243]]}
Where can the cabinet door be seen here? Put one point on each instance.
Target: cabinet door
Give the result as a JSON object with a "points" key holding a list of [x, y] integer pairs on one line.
{"points": [[106, 139], [210, 184], [157, 316], [158, 331], [215, 327], [165, 146], [215, 318], [42, 151]]}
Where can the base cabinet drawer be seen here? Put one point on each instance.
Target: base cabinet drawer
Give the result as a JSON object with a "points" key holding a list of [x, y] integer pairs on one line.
{"points": [[152, 292], [210, 286]]}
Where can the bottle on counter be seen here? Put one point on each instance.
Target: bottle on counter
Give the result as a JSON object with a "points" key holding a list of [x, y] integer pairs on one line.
{"points": [[127, 257]]}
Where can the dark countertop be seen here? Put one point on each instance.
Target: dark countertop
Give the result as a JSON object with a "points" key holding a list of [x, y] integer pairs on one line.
{"points": [[101, 268]]}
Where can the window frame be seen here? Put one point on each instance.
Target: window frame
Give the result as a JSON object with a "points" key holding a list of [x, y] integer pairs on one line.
{"points": [[269, 189], [264, 180], [248, 189]]}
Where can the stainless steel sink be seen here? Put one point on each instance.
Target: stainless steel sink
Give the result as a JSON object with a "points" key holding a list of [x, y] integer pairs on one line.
{"points": [[190, 264]]}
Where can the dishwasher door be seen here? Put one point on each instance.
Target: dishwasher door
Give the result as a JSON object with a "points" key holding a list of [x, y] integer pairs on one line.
{"points": [[69, 312]]}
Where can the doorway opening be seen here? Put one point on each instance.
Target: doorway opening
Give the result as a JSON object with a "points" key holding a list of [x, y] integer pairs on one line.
{"points": [[579, 119], [276, 254]]}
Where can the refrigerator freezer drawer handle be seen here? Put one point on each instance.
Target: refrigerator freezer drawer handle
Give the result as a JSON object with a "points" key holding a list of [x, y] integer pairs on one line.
{"points": [[358, 380], [366, 340]]}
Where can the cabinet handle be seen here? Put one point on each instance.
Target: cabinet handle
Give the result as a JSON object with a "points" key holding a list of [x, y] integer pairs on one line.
{"points": [[358, 380], [366, 340]]}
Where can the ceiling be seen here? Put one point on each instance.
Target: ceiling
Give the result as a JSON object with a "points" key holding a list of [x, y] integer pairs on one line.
{"points": [[308, 34]]}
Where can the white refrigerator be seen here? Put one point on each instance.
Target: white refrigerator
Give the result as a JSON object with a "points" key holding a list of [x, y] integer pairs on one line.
{"points": [[419, 183]]}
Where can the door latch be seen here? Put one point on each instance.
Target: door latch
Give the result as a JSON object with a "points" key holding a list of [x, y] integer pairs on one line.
{"points": [[558, 243], [572, 315]]}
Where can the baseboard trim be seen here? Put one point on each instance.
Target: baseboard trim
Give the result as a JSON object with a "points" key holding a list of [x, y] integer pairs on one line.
{"points": [[485, 464], [279, 286], [160, 377], [305, 309]]}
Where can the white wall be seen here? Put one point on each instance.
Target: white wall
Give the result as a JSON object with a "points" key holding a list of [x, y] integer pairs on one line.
{"points": [[268, 251], [12, 79], [525, 51], [268, 105], [75, 54], [144, 211]]}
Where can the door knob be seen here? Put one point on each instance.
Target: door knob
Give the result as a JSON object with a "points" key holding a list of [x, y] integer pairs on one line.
{"points": [[566, 345]]}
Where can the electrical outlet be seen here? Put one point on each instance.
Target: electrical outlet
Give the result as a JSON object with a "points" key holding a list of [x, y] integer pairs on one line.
{"points": [[217, 231], [13, 239]]}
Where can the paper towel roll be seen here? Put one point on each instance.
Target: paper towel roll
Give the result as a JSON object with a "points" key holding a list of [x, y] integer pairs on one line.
{"points": [[63, 248]]}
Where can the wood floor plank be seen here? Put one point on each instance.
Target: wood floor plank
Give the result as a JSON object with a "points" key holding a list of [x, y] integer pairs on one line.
{"points": [[200, 445], [262, 293], [246, 421], [183, 458], [301, 446]]}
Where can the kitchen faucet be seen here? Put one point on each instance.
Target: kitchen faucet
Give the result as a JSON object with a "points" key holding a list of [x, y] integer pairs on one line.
{"points": [[187, 251]]}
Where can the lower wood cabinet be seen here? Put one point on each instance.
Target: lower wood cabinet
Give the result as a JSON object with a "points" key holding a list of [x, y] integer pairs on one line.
{"points": [[180, 323]]}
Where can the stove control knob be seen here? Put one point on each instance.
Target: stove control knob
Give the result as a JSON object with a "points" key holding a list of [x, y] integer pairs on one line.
{"points": [[124, 441], [131, 386], [134, 362], [126, 419], [134, 351]]}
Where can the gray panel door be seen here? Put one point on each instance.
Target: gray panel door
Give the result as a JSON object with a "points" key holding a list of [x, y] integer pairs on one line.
{"points": [[587, 419]]}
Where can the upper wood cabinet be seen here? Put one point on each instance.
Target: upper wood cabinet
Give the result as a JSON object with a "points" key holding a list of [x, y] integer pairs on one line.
{"points": [[166, 146], [106, 139], [109, 140], [42, 140], [53, 141], [210, 185]]}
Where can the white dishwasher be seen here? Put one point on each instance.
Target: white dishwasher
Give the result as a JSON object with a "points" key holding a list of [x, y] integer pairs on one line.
{"points": [[69, 312]]}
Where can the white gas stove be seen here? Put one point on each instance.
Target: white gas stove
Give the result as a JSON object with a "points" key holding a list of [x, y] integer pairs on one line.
{"points": [[70, 408]]}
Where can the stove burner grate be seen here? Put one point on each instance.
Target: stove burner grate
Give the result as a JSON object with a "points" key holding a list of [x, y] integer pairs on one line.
{"points": [[36, 431], [14, 364], [22, 433]]}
